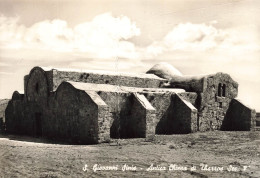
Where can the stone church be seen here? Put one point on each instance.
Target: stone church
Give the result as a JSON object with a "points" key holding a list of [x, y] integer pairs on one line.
{"points": [[89, 107]]}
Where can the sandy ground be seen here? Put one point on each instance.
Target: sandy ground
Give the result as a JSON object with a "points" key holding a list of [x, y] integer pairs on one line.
{"points": [[33, 157]]}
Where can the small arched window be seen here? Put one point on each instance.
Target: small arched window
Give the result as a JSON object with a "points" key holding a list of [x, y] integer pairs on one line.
{"points": [[37, 87], [224, 90], [219, 89]]}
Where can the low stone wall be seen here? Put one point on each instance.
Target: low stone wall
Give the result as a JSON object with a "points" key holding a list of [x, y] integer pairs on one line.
{"points": [[239, 117]]}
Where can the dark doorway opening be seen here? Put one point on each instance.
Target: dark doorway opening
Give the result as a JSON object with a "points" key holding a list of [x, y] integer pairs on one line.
{"points": [[38, 124]]}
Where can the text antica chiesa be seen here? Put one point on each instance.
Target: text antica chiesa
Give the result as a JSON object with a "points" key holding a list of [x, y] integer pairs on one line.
{"points": [[90, 107], [171, 167]]}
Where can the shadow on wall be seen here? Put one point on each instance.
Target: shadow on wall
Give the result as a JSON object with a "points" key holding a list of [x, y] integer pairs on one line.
{"points": [[239, 117], [165, 124], [115, 127], [131, 120], [121, 115], [180, 118]]}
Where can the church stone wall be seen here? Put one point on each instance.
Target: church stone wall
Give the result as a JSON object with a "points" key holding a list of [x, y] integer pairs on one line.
{"points": [[37, 86], [214, 101], [69, 115], [81, 113], [192, 97], [120, 108], [78, 116], [131, 117], [121, 80], [161, 102], [214, 93]]}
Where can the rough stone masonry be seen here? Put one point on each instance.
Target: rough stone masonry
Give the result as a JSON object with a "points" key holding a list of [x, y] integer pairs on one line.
{"points": [[90, 107]]}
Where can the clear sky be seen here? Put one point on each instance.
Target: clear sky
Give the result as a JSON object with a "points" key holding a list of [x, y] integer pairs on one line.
{"points": [[195, 36]]}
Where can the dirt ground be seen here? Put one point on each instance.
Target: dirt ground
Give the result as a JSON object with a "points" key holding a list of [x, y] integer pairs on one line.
{"points": [[224, 154]]}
